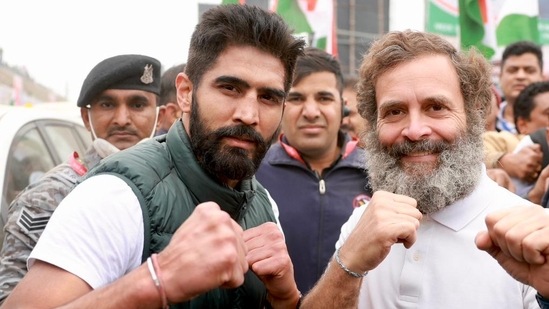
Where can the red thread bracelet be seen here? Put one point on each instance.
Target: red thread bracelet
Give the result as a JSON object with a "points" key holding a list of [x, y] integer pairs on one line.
{"points": [[154, 269]]}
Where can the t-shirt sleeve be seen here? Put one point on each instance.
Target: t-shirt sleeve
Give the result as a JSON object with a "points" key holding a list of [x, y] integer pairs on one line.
{"points": [[349, 226], [96, 233]]}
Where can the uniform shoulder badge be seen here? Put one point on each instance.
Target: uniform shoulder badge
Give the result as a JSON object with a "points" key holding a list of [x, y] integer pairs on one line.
{"points": [[31, 222], [147, 76]]}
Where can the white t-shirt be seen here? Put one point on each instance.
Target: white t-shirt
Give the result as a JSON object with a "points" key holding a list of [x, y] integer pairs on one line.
{"points": [[444, 269], [96, 233]]}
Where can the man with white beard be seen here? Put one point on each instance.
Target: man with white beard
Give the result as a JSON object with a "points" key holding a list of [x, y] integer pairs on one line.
{"points": [[419, 242]]}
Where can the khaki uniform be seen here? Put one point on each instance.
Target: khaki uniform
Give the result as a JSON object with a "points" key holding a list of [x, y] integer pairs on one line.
{"points": [[31, 210], [496, 144]]}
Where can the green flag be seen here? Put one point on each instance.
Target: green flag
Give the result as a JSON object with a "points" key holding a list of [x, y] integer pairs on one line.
{"points": [[518, 20], [442, 17], [476, 26], [313, 19]]}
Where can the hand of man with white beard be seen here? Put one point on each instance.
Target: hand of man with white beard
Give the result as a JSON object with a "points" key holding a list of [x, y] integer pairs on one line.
{"points": [[518, 238], [389, 219]]}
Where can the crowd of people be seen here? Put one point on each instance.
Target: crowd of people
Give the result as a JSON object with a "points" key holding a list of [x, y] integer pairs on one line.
{"points": [[256, 175]]}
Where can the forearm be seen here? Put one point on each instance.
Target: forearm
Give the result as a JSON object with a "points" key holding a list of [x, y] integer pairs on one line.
{"points": [[282, 292], [491, 159], [11, 273], [13, 263], [289, 302], [135, 290], [335, 289], [542, 288], [535, 195], [507, 163]]}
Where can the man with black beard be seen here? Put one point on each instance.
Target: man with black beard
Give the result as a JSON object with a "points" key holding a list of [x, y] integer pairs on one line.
{"points": [[222, 160], [416, 243], [181, 220]]}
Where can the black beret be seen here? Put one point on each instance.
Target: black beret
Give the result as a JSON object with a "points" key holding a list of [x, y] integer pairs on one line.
{"points": [[135, 72]]}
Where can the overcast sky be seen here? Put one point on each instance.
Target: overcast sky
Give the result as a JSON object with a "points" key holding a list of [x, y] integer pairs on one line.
{"points": [[59, 41]]}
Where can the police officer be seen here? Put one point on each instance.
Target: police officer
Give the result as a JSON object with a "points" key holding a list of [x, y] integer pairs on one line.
{"points": [[118, 104]]}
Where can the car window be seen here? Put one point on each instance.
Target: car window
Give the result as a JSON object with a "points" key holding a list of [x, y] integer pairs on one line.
{"points": [[85, 135], [65, 140], [28, 160], [37, 147]]}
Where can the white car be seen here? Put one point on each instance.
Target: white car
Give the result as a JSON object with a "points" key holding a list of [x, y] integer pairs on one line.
{"points": [[34, 139]]}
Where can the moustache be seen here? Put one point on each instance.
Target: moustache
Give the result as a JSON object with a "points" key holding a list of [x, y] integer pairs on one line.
{"points": [[241, 132], [407, 147], [122, 130]]}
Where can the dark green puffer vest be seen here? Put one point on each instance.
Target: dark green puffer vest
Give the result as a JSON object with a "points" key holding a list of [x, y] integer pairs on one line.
{"points": [[166, 179]]}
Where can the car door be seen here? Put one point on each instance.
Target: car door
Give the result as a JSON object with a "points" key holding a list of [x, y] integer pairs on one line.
{"points": [[37, 147]]}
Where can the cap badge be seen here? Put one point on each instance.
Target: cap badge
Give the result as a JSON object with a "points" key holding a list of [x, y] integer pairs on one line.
{"points": [[147, 76]]}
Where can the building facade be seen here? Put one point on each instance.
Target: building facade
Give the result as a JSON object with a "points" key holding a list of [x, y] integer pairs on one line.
{"points": [[18, 88], [358, 22]]}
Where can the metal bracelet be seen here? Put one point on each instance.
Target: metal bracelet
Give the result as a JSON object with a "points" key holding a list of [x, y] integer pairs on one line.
{"points": [[347, 270]]}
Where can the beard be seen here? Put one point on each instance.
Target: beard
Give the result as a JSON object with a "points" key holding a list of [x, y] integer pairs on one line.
{"points": [[221, 161], [453, 176]]}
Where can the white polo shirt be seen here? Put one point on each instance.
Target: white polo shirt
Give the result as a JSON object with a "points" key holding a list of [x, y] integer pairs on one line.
{"points": [[444, 268]]}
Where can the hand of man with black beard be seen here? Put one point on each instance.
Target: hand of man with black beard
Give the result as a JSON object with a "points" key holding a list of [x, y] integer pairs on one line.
{"points": [[388, 219], [518, 238], [268, 258], [209, 249]]}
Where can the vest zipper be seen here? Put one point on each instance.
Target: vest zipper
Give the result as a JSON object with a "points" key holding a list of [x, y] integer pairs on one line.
{"points": [[322, 186]]}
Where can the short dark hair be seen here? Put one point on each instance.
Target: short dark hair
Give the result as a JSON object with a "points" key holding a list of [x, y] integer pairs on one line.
{"points": [[525, 101], [315, 60], [168, 92], [520, 48], [241, 25]]}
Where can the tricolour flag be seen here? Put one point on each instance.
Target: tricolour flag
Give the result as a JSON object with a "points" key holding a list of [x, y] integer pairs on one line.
{"points": [[491, 24], [476, 22], [442, 17], [313, 19]]}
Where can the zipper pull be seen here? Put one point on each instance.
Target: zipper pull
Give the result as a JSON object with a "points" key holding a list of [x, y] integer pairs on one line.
{"points": [[322, 186]]}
